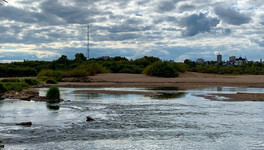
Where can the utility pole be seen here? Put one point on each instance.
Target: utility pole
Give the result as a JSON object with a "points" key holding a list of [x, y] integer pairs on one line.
{"points": [[88, 50]]}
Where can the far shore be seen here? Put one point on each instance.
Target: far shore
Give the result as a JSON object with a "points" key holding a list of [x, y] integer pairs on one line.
{"points": [[188, 80]]}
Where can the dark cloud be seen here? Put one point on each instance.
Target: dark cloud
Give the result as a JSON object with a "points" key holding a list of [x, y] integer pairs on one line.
{"points": [[197, 23], [166, 6], [186, 7], [231, 16], [130, 25]]}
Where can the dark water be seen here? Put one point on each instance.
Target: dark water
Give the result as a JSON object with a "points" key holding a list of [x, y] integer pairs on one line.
{"points": [[175, 120]]}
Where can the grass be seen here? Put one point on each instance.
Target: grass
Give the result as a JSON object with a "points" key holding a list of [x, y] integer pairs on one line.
{"points": [[53, 93]]}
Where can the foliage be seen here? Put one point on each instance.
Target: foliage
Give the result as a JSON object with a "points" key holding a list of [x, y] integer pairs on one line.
{"points": [[2, 88], [15, 86], [79, 57], [93, 68], [50, 74], [162, 69], [10, 80], [31, 81], [51, 81], [53, 93]]}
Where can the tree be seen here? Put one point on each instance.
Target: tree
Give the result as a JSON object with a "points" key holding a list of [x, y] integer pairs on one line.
{"points": [[79, 57]]}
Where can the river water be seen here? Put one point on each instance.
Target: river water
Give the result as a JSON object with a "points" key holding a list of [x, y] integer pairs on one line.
{"points": [[175, 120]]}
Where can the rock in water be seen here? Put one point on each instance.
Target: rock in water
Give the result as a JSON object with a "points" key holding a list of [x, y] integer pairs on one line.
{"points": [[88, 118], [24, 123]]}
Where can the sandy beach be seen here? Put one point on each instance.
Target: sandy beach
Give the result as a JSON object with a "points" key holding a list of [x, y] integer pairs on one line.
{"points": [[188, 80]]}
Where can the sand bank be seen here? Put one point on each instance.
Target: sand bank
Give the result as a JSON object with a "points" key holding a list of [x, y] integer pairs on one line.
{"points": [[189, 80]]}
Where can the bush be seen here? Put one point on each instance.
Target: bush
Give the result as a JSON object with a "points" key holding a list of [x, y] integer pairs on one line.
{"points": [[52, 81], [75, 73], [93, 68], [31, 81], [53, 93], [10, 80], [2, 88], [161, 69], [15, 86], [50, 74]]}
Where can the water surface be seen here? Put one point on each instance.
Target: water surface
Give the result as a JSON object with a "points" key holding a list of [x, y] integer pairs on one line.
{"points": [[175, 120]]}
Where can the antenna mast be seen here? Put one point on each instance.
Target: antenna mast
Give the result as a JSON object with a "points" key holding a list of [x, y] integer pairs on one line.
{"points": [[88, 50]]}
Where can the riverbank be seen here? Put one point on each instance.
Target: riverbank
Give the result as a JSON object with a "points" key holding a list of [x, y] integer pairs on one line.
{"points": [[188, 80]]}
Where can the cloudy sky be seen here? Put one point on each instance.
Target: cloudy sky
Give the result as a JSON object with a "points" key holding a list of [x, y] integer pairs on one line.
{"points": [[168, 29]]}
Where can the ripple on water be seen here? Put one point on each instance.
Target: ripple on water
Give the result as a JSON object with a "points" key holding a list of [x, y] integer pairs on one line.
{"points": [[133, 122]]}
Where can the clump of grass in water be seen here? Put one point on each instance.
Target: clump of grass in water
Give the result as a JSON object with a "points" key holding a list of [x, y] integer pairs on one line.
{"points": [[53, 94]]}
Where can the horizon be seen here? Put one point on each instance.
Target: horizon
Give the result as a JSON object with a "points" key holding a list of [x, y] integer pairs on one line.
{"points": [[169, 30]]}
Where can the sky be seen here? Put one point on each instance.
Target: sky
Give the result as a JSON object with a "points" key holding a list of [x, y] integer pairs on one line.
{"points": [[168, 29]]}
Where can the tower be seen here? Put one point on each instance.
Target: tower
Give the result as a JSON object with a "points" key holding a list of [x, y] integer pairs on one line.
{"points": [[88, 49], [219, 58]]}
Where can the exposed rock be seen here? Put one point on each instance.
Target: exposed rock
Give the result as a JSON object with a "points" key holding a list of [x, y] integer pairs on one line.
{"points": [[24, 123], [88, 118], [28, 94], [23, 95]]}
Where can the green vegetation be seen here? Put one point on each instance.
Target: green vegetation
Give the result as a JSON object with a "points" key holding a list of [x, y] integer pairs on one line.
{"points": [[16, 84], [10, 80], [164, 69], [2, 88], [30, 81], [53, 93], [51, 81], [219, 68]]}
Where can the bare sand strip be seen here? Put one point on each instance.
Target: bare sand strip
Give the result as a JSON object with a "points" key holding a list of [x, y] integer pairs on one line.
{"points": [[235, 97], [188, 80]]}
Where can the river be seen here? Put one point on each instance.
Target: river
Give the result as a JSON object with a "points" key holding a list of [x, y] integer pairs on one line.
{"points": [[174, 120]]}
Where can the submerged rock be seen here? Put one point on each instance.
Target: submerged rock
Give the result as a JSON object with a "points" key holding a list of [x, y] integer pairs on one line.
{"points": [[88, 118], [24, 123]]}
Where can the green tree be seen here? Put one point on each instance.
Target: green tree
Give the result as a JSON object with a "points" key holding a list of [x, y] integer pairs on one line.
{"points": [[79, 57]]}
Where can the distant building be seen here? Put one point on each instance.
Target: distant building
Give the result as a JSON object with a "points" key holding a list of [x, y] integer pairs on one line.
{"points": [[239, 61], [199, 61], [219, 58], [232, 58]]}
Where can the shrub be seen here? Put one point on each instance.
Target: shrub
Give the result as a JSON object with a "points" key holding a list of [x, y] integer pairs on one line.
{"points": [[31, 81], [161, 69], [10, 80], [53, 93], [93, 68], [16, 86], [75, 73], [51, 81], [50, 74], [2, 88]]}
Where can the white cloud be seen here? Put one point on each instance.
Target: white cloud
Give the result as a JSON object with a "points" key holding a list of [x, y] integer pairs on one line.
{"points": [[171, 29]]}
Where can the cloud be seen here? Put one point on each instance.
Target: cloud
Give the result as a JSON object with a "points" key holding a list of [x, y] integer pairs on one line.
{"points": [[231, 16], [166, 6], [197, 23]]}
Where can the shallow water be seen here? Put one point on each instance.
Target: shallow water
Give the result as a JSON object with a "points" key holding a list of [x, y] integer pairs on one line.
{"points": [[178, 120]]}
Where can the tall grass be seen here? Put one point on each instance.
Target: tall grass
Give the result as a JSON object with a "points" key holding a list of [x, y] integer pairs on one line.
{"points": [[15, 86], [86, 70], [50, 74]]}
